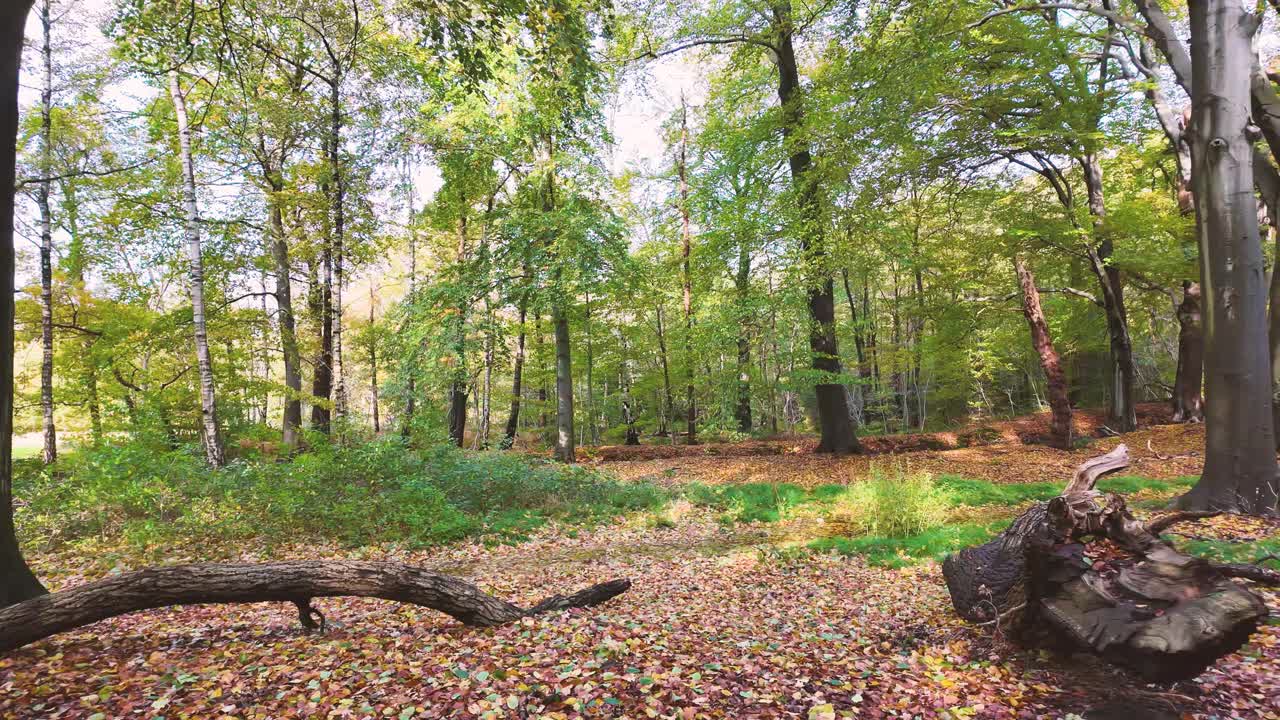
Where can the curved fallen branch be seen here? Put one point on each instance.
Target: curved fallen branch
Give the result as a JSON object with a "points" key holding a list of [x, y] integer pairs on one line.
{"points": [[1159, 612], [296, 582], [1164, 522]]}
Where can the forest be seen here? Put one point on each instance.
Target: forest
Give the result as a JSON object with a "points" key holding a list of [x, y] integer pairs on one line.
{"points": [[639, 358]]}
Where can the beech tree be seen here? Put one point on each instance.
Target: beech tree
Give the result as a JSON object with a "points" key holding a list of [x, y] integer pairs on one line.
{"points": [[19, 583]]}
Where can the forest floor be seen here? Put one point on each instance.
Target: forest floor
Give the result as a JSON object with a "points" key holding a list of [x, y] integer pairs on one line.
{"points": [[724, 620]]}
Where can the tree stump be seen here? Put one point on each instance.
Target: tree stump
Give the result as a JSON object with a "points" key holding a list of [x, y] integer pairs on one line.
{"points": [[1127, 595]]}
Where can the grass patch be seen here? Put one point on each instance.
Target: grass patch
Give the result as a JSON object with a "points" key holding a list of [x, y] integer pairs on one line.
{"points": [[1238, 552], [897, 506], [934, 543], [966, 491]]}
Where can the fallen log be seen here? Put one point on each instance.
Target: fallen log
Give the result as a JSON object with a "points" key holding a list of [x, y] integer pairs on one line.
{"points": [[296, 582], [1138, 603]]}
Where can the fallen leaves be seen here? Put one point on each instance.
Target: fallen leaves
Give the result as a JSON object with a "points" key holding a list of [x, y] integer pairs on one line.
{"points": [[714, 627]]}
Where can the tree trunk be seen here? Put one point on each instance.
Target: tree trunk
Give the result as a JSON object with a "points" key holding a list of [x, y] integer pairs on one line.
{"points": [[1122, 412], [517, 380], [458, 388], [411, 389], [1055, 379], [1187, 403], [46, 239], [834, 420], [686, 277], [742, 287], [668, 413], [564, 450], [592, 435], [321, 309], [19, 582], [624, 383], [1165, 615], [291, 423], [858, 395], [339, 229], [195, 273], [1240, 459], [296, 582], [373, 366]]}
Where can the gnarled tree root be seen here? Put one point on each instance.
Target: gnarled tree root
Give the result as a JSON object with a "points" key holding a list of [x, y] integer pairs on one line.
{"points": [[1152, 609], [296, 582]]}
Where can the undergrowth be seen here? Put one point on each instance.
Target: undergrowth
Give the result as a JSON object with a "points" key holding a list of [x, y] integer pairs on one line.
{"points": [[364, 493]]}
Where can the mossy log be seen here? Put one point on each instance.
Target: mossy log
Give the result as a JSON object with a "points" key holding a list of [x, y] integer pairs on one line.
{"points": [[1080, 572]]}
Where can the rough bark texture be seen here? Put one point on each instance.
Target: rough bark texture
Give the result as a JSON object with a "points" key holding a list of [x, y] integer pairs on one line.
{"points": [[297, 582], [1240, 460], [1162, 614], [1056, 380], [321, 308], [517, 381], [291, 423], [46, 238], [1187, 402], [195, 280], [686, 278], [565, 444], [17, 582], [834, 420], [742, 287]]}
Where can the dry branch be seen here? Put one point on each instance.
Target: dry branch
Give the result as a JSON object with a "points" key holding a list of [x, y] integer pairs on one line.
{"points": [[296, 582]]}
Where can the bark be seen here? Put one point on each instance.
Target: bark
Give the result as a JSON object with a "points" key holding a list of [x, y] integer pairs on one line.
{"points": [[564, 449], [1056, 380], [291, 421], [411, 389], [1162, 614], [321, 309], [1122, 411], [668, 413], [295, 582], [686, 277], [1240, 461], [742, 286], [859, 391], [19, 583], [592, 435], [339, 230], [624, 382], [517, 380], [50, 455], [1187, 402], [195, 275], [458, 389], [834, 420], [373, 366]]}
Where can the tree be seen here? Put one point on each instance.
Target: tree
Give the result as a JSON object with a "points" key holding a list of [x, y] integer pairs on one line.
{"points": [[1059, 402], [19, 583], [774, 29], [1240, 470]]}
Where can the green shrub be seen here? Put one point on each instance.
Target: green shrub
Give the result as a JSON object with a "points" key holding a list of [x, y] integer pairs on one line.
{"points": [[894, 506], [355, 493]]}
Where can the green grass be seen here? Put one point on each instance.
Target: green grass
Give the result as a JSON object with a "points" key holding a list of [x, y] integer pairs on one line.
{"points": [[934, 543], [1224, 551], [965, 491]]}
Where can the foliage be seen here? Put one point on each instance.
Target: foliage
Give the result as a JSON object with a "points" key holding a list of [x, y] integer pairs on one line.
{"points": [[895, 504], [357, 494]]}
